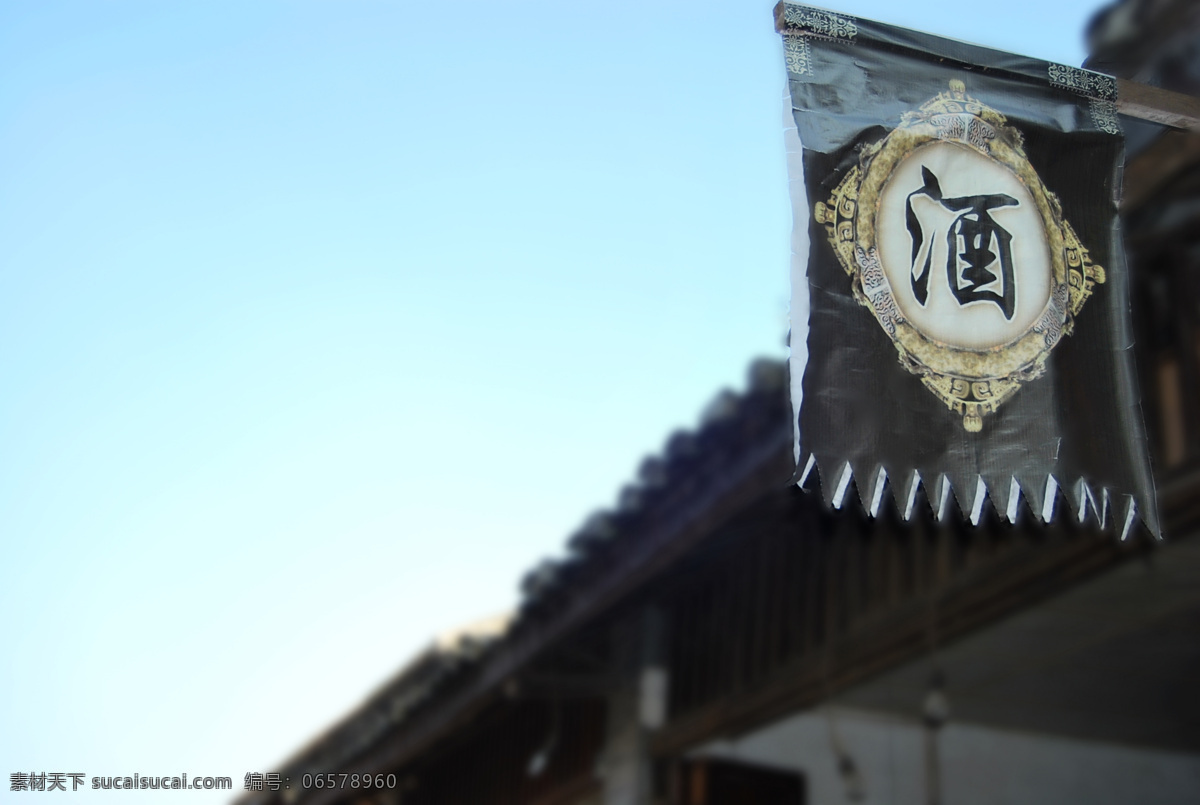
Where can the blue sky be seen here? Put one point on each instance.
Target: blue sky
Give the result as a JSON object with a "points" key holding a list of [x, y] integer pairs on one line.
{"points": [[320, 322]]}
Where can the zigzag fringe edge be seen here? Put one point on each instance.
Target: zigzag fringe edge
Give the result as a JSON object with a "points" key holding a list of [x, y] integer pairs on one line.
{"points": [[1106, 509]]}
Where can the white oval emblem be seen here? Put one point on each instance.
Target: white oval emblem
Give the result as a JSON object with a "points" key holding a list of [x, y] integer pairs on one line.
{"points": [[963, 247]]}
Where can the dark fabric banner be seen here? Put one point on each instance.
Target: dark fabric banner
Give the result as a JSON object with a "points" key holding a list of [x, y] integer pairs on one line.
{"points": [[960, 315]]}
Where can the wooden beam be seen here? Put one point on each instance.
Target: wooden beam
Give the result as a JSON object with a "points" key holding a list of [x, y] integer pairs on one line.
{"points": [[888, 639], [780, 22], [1158, 105]]}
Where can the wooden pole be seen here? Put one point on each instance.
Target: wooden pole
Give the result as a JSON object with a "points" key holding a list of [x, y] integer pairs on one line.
{"points": [[1158, 105]]}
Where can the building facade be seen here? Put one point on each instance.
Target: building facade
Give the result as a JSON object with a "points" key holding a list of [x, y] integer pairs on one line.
{"points": [[722, 638]]}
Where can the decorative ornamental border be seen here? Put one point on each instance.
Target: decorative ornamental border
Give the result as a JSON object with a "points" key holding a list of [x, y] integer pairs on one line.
{"points": [[823, 24], [797, 54], [1104, 115], [1085, 82]]}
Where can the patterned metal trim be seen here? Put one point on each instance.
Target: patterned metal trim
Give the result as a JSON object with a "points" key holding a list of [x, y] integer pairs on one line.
{"points": [[797, 54], [1085, 82], [825, 24], [875, 287], [964, 127], [1104, 115]]}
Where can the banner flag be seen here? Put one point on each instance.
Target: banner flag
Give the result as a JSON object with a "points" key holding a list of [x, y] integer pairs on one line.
{"points": [[960, 311]]}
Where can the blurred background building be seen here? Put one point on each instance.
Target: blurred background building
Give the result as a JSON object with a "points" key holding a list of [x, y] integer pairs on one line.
{"points": [[721, 638]]}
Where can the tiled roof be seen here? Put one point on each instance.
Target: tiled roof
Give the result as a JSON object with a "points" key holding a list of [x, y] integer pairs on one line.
{"points": [[677, 477]]}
